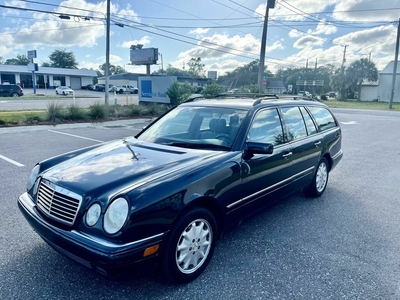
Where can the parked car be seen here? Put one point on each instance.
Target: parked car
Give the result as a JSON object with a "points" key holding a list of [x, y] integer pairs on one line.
{"points": [[331, 94], [166, 195], [11, 90], [102, 87], [305, 94], [89, 87], [64, 90], [126, 88]]}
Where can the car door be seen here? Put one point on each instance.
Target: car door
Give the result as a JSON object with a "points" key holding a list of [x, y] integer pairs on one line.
{"points": [[263, 176], [305, 142], [3, 90]]}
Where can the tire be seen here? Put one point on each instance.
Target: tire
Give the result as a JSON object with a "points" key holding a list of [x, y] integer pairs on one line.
{"points": [[56, 92], [136, 91], [190, 246], [120, 91], [14, 95], [320, 180]]}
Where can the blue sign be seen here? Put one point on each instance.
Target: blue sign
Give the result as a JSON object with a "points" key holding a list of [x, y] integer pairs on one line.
{"points": [[147, 89]]}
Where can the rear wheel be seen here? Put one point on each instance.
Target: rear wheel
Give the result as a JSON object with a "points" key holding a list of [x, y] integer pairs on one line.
{"points": [[190, 246], [320, 180], [15, 95]]}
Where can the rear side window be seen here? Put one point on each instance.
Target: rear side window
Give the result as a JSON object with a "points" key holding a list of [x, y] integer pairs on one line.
{"points": [[296, 128], [323, 117], [311, 129]]}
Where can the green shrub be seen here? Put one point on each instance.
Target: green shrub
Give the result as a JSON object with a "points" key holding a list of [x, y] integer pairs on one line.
{"points": [[75, 113], [2, 122], [134, 110], [98, 111], [179, 92], [324, 97], [55, 112], [32, 118], [213, 89]]}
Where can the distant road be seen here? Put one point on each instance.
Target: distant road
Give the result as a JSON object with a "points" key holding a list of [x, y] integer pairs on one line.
{"points": [[82, 97]]}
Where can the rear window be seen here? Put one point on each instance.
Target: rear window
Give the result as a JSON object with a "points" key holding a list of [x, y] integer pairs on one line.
{"points": [[323, 117]]}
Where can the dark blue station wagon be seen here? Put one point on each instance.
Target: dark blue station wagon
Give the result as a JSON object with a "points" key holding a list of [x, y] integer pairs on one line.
{"points": [[166, 195]]}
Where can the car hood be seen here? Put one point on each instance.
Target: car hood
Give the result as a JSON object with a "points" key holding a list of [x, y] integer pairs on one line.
{"points": [[120, 164]]}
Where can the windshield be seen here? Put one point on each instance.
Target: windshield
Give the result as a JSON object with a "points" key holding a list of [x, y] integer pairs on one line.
{"points": [[196, 127]]}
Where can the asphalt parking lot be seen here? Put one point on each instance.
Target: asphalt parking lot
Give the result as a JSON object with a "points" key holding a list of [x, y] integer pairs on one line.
{"points": [[83, 98], [344, 245]]}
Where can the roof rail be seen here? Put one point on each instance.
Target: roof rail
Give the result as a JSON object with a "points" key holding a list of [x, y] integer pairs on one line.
{"points": [[244, 95], [191, 99]]}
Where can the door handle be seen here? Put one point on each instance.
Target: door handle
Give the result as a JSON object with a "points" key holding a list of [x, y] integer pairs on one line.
{"points": [[287, 155], [317, 144]]}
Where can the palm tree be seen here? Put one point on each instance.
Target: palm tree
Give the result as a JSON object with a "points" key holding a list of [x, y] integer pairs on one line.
{"points": [[358, 71]]}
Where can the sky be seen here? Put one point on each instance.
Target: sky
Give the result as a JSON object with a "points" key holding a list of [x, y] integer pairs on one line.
{"points": [[225, 34]]}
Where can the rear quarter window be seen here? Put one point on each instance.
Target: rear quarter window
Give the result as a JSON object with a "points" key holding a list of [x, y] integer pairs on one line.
{"points": [[323, 117]]}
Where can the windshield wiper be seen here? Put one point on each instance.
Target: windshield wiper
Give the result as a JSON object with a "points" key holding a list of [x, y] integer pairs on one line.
{"points": [[197, 145]]}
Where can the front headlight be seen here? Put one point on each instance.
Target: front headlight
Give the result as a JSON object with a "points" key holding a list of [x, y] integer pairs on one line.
{"points": [[33, 176], [93, 214], [115, 215]]}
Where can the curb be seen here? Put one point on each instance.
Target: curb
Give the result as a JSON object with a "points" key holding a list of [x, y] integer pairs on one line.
{"points": [[122, 123]]}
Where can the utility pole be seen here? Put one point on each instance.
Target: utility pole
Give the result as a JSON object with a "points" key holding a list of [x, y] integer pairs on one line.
{"points": [[270, 4], [107, 92], [343, 91], [396, 56]]}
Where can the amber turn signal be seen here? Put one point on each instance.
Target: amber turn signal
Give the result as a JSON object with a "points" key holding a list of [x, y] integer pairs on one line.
{"points": [[151, 250]]}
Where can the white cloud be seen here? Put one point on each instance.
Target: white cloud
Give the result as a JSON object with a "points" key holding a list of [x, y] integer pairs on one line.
{"points": [[325, 27], [143, 41], [308, 41], [199, 31], [222, 46], [366, 10], [114, 59]]}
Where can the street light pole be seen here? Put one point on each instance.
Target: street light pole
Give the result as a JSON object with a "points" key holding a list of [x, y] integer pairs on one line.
{"points": [[162, 64], [107, 92], [270, 4]]}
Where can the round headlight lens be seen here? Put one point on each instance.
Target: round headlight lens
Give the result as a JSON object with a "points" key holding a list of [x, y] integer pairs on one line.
{"points": [[115, 215], [32, 177], [93, 214]]}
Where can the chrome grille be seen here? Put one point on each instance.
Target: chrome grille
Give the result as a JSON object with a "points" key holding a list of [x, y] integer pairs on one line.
{"points": [[58, 203]]}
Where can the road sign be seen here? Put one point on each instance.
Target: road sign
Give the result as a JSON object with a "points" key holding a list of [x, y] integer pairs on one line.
{"points": [[32, 54]]}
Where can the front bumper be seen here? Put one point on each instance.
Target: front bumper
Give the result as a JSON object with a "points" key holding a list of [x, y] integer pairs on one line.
{"points": [[95, 253]]}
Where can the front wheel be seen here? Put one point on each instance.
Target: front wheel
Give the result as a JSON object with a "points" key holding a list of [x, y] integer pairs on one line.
{"points": [[190, 246], [320, 180]]}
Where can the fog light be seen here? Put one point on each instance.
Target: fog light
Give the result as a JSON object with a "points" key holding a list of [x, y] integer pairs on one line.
{"points": [[151, 250]]}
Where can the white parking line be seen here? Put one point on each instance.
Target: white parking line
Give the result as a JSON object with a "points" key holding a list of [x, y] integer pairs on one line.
{"points": [[77, 136], [11, 161]]}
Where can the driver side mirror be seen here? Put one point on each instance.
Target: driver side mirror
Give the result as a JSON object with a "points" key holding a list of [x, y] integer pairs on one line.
{"points": [[258, 148]]}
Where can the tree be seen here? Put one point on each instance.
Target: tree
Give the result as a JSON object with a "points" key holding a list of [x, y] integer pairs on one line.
{"points": [[60, 58], [245, 75], [119, 70], [358, 71], [112, 69], [46, 64], [21, 60], [196, 68], [179, 92], [212, 89], [1, 60], [172, 71]]}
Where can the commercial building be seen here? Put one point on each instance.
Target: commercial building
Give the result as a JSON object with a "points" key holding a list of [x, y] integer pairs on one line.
{"points": [[46, 77]]}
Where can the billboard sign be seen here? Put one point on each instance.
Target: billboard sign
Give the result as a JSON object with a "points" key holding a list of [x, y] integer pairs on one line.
{"points": [[154, 89], [144, 56]]}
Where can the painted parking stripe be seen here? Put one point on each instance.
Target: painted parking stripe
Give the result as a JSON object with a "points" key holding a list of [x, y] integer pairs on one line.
{"points": [[11, 161], [77, 136]]}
